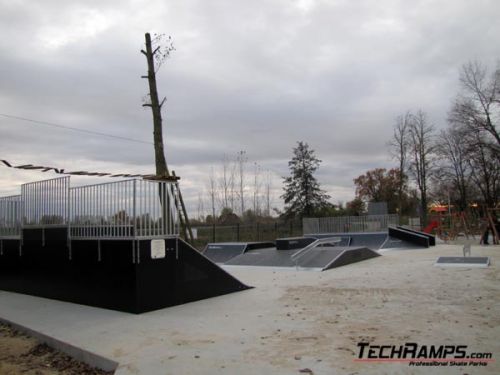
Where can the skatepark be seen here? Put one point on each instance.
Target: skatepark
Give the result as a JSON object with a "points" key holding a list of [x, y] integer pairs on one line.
{"points": [[295, 305]]}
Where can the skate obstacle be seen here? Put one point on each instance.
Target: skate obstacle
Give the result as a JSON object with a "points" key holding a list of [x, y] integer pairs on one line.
{"points": [[114, 245]]}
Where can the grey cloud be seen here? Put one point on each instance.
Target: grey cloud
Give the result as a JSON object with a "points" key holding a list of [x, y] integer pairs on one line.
{"points": [[255, 76]]}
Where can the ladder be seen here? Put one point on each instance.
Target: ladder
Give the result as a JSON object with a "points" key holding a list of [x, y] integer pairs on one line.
{"points": [[185, 228]]}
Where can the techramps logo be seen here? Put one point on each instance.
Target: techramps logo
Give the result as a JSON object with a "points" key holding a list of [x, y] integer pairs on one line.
{"points": [[417, 355]]}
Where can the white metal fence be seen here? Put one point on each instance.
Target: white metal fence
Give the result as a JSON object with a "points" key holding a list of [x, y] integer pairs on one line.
{"points": [[11, 210], [346, 224], [45, 202], [122, 209]]}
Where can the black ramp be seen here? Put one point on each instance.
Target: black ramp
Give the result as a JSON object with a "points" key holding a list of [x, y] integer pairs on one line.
{"points": [[408, 236], [196, 278], [319, 257], [322, 258], [293, 243], [107, 274], [372, 240], [353, 255], [222, 252], [259, 245], [431, 237], [264, 257]]}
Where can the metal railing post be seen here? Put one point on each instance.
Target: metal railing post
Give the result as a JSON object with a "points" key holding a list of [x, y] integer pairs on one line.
{"points": [[134, 230]]}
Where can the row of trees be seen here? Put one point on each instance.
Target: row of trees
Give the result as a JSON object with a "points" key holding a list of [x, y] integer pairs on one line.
{"points": [[469, 149], [236, 187], [232, 199], [458, 165]]}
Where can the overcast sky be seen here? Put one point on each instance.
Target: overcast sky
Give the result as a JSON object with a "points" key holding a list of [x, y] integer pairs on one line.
{"points": [[246, 75]]}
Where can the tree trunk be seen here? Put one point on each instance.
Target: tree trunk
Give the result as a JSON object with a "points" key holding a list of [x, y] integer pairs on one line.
{"points": [[160, 162]]}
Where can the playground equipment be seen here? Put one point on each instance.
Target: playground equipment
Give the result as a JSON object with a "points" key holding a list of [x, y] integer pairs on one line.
{"points": [[450, 226], [492, 223]]}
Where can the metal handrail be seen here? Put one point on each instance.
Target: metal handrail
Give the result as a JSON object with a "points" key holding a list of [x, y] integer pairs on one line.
{"points": [[320, 241]]}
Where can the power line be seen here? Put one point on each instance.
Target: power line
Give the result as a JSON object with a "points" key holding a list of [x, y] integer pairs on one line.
{"points": [[74, 129]]}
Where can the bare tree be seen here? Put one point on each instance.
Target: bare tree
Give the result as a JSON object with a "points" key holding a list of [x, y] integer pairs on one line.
{"points": [[241, 160], [485, 167], [212, 192], [268, 188], [227, 182], [421, 150], [454, 166], [398, 147], [256, 189], [201, 208], [477, 107]]}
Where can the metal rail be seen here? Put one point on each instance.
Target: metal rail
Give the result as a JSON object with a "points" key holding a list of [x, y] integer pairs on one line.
{"points": [[321, 241]]}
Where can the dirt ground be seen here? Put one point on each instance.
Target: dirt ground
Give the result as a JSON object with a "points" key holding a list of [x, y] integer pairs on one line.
{"points": [[21, 354]]}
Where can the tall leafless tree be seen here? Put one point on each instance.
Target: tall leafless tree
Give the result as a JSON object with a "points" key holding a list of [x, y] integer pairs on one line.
{"points": [[421, 162], [226, 182], [453, 164], [485, 167], [241, 160], [477, 106], [398, 147], [268, 188], [256, 189], [212, 193]]}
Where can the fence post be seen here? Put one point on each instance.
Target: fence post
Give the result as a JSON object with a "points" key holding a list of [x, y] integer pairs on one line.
{"points": [[134, 204], [237, 232], [213, 232]]}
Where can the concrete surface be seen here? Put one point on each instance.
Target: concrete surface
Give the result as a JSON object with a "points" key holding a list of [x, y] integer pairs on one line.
{"points": [[292, 321]]}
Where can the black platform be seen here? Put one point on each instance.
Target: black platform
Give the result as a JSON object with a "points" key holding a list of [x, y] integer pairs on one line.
{"points": [[115, 274]]}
